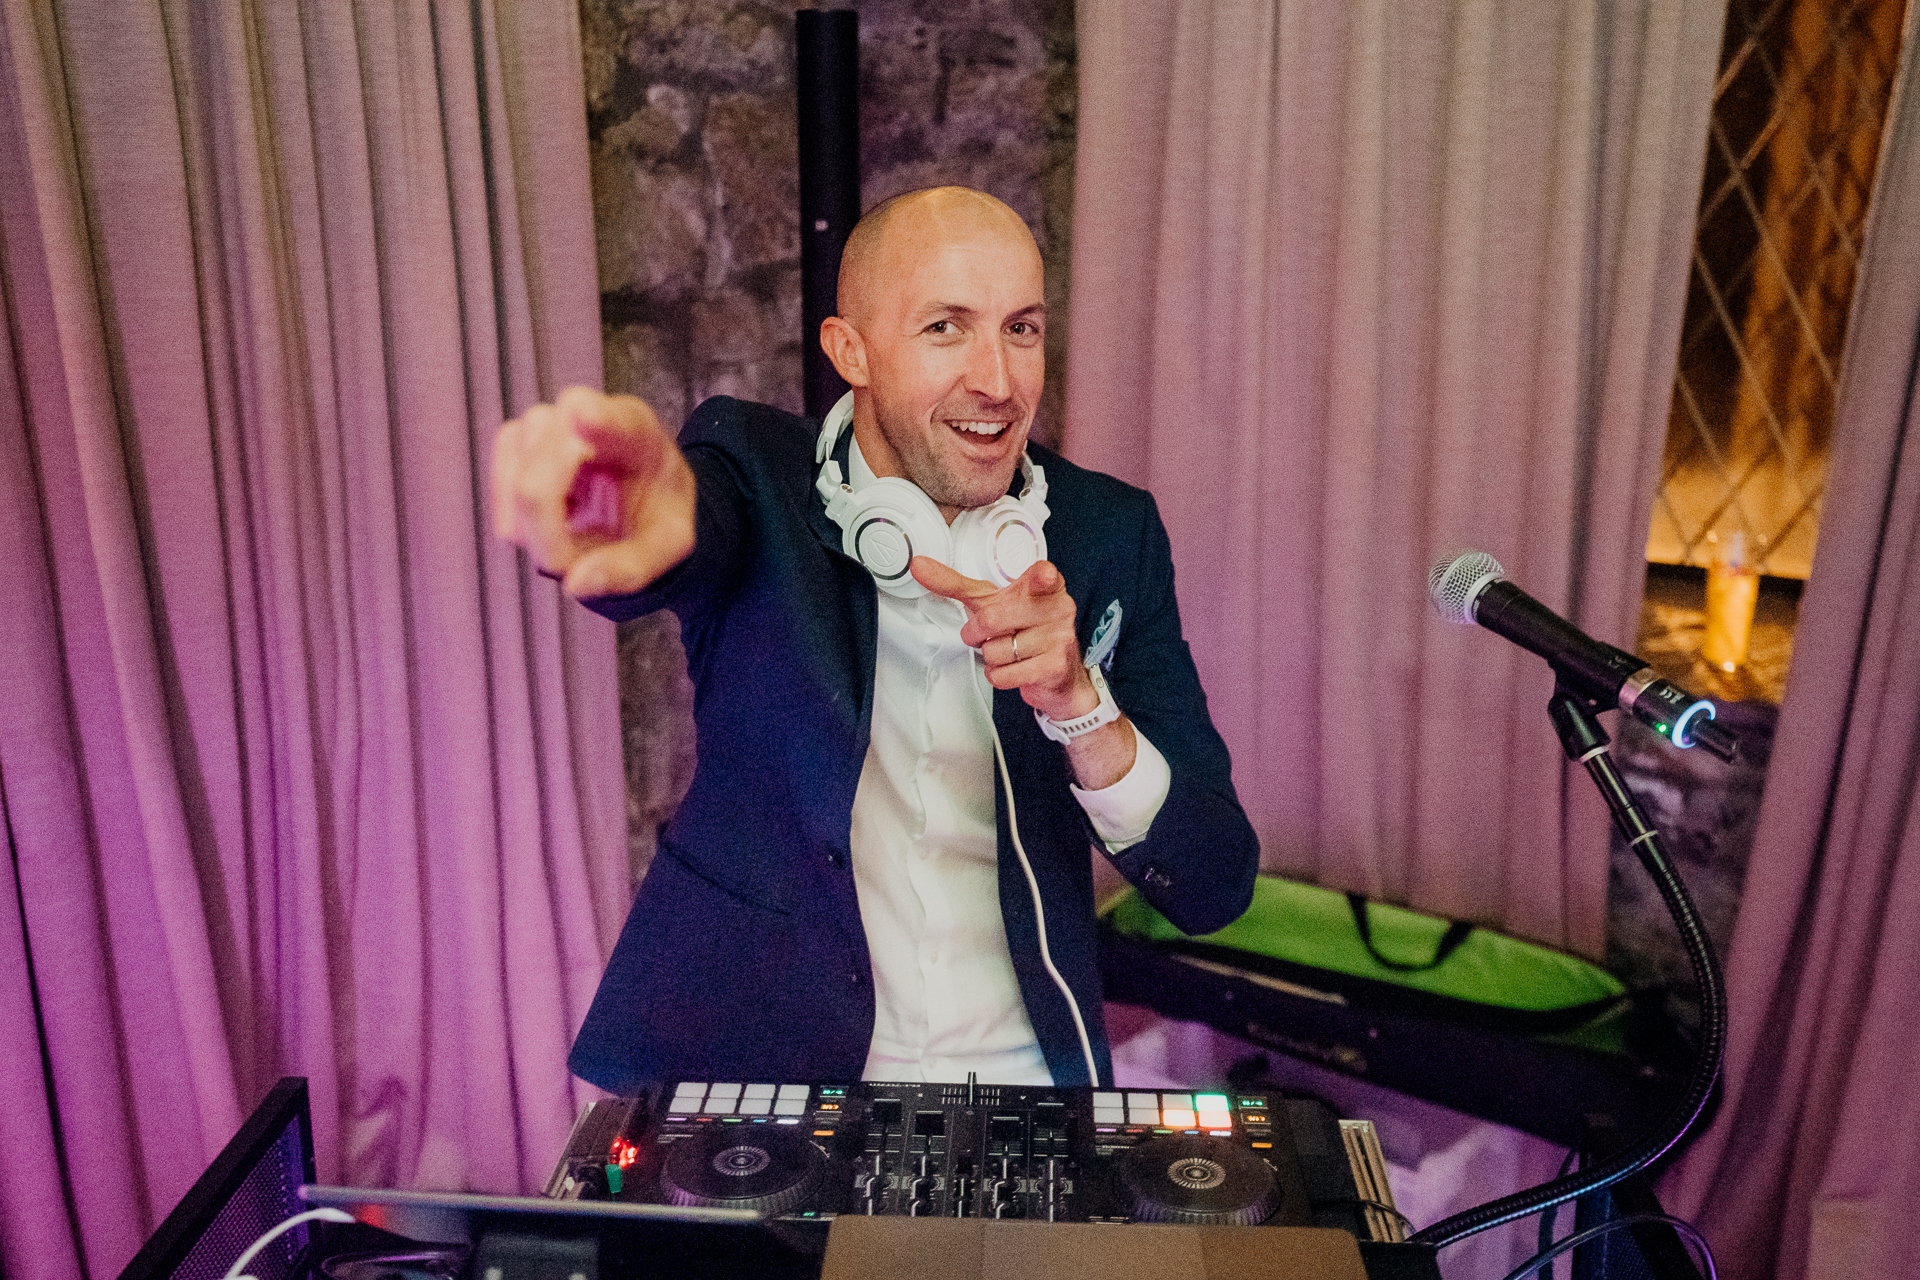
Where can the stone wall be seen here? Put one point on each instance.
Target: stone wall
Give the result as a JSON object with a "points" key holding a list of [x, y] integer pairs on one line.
{"points": [[692, 128]]}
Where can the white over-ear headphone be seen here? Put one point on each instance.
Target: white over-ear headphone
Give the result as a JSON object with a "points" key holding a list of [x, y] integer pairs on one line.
{"points": [[890, 521]]}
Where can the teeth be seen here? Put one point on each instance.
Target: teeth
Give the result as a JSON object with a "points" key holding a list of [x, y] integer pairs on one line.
{"points": [[981, 428]]}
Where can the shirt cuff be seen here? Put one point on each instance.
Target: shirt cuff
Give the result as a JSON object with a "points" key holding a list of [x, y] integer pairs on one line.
{"points": [[1122, 812]]}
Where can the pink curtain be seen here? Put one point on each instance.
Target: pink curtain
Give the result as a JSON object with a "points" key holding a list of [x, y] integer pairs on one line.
{"points": [[1356, 286], [301, 773], [1812, 1166]]}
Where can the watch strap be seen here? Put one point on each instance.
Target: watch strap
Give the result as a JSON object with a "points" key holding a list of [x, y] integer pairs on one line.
{"points": [[1067, 730]]}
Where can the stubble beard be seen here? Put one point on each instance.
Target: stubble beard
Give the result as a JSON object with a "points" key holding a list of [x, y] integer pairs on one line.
{"points": [[941, 477], [949, 490]]}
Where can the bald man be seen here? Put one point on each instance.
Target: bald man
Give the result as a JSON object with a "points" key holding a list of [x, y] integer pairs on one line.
{"points": [[874, 612]]}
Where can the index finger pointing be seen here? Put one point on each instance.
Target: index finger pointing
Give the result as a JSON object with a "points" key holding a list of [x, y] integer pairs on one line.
{"points": [[943, 581], [622, 429], [1041, 579]]}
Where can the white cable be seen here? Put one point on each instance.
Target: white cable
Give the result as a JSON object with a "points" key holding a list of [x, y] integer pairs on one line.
{"points": [[238, 1270], [1033, 885]]}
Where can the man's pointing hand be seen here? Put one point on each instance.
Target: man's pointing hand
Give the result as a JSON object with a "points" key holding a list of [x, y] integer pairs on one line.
{"points": [[595, 491], [1024, 632]]}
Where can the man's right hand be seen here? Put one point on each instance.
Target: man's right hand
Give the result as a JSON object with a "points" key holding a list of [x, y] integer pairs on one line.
{"points": [[595, 491]]}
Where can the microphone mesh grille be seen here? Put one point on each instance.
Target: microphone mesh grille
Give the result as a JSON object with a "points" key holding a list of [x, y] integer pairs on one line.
{"points": [[1455, 583]]}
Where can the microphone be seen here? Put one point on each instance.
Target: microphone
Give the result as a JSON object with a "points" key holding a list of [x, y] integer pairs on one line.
{"points": [[1472, 587]]}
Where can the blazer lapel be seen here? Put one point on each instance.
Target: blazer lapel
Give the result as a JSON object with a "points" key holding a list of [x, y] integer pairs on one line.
{"points": [[861, 594]]}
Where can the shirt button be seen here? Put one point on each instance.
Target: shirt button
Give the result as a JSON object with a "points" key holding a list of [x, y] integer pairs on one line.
{"points": [[833, 857], [1156, 876], [856, 978]]}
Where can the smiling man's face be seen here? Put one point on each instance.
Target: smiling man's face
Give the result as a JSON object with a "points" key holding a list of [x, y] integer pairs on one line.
{"points": [[944, 320]]}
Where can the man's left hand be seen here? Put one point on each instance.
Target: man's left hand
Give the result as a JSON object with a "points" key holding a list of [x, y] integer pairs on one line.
{"points": [[1024, 632]]}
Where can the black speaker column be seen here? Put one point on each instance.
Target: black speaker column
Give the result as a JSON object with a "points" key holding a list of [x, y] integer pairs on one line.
{"points": [[828, 82]]}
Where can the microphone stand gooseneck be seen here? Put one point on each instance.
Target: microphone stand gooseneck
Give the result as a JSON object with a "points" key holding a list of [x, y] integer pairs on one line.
{"points": [[1585, 742]]}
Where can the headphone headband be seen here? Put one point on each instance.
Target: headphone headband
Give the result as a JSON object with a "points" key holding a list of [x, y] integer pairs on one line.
{"points": [[837, 419]]}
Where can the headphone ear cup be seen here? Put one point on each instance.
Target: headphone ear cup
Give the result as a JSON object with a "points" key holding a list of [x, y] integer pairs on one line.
{"points": [[889, 523], [998, 542]]}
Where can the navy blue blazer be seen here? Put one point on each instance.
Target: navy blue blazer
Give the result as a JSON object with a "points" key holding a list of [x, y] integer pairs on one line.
{"points": [[743, 957]]}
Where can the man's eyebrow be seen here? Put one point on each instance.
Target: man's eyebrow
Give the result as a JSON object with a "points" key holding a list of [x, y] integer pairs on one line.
{"points": [[946, 309], [1037, 311]]}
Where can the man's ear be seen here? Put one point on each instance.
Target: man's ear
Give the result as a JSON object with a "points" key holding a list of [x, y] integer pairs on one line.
{"points": [[846, 348]]}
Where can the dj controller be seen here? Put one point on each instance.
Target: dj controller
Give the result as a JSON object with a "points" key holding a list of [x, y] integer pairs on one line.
{"points": [[801, 1152]]}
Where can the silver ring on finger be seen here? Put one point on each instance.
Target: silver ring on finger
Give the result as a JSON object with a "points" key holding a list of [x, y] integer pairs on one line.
{"points": [[1015, 637]]}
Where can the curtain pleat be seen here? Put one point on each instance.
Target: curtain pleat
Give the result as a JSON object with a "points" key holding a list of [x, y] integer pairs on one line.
{"points": [[1357, 287], [302, 773], [108, 867], [1811, 1167]]}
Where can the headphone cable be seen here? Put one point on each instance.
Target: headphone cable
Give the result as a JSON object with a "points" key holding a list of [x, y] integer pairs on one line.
{"points": [[1033, 885]]}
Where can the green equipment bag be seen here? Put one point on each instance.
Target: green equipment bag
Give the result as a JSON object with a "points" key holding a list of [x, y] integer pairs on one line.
{"points": [[1459, 1014]]}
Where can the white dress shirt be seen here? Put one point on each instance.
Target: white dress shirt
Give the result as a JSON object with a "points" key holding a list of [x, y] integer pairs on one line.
{"points": [[925, 854]]}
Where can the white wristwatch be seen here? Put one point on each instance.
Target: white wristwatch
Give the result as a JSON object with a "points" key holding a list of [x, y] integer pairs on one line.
{"points": [[1068, 730]]}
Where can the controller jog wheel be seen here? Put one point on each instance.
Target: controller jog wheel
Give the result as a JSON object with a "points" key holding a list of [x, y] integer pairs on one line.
{"points": [[755, 1167], [1199, 1181]]}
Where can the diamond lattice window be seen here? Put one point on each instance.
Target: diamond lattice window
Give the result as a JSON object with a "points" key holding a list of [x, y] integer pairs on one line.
{"points": [[1798, 112]]}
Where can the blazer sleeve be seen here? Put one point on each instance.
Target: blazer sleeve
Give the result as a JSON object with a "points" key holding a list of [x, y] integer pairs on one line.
{"points": [[1198, 861]]}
